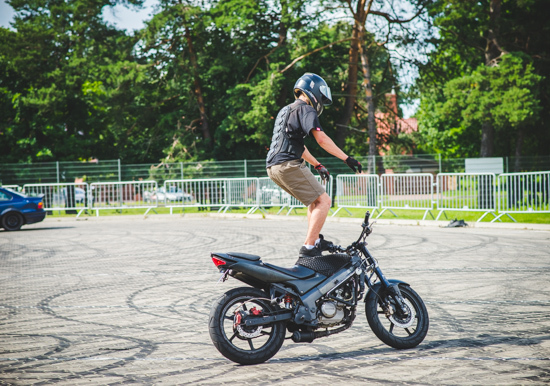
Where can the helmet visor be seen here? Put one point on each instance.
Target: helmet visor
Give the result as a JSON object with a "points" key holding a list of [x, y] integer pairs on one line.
{"points": [[325, 92]]}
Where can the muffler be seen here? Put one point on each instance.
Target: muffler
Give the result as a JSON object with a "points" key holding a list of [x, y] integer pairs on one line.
{"points": [[301, 336]]}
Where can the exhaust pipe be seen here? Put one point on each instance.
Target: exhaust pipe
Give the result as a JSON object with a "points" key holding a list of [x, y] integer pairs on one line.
{"points": [[302, 336]]}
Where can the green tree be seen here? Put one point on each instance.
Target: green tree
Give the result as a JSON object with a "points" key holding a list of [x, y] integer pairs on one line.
{"points": [[59, 72], [491, 34], [504, 96]]}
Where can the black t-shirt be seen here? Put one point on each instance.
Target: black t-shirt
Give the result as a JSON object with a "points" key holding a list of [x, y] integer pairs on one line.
{"points": [[300, 122]]}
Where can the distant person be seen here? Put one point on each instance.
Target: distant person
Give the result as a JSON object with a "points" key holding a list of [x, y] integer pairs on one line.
{"points": [[287, 155]]}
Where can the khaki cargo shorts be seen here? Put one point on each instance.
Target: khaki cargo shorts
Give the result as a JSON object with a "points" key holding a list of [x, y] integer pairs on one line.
{"points": [[297, 180]]}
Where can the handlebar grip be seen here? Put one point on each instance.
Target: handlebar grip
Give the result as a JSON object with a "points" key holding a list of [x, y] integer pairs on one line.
{"points": [[367, 216]]}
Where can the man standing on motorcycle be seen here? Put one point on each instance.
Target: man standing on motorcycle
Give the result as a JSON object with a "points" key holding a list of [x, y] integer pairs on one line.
{"points": [[287, 155]]}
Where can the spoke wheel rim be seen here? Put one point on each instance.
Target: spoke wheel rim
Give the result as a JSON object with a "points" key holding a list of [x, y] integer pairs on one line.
{"points": [[245, 339], [397, 329]]}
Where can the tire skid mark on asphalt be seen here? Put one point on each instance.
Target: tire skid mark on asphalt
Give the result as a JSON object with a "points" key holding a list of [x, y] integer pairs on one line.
{"points": [[145, 347], [12, 312], [301, 358], [62, 345], [130, 301], [192, 239], [485, 311], [448, 319], [400, 246], [492, 302], [44, 307], [441, 247], [469, 269]]}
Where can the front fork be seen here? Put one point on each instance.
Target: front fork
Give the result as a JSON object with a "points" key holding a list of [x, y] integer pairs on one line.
{"points": [[392, 289]]}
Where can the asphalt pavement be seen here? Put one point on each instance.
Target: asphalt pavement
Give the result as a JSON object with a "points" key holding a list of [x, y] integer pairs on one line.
{"points": [[125, 300]]}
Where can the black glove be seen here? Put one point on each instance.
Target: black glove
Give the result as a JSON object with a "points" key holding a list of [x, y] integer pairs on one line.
{"points": [[353, 163], [323, 172]]}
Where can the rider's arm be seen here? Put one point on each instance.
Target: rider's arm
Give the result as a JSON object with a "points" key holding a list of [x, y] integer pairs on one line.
{"points": [[328, 144], [309, 157]]}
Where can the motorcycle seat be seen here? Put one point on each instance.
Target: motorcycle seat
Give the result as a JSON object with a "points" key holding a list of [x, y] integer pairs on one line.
{"points": [[297, 271], [245, 256]]}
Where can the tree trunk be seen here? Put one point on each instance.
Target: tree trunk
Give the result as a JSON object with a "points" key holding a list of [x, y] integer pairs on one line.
{"points": [[487, 139], [492, 49], [198, 89], [371, 121], [350, 89], [519, 150]]}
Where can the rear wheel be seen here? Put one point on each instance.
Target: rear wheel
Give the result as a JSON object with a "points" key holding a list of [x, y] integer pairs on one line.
{"points": [[241, 344], [12, 221], [400, 332]]}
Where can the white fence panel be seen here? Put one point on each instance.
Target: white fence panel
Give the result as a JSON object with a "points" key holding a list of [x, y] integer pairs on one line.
{"points": [[523, 193], [16, 188], [201, 193], [270, 194], [406, 191], [242, 193], [475, 192], [123, 195], [65, 196], [357, 191]]}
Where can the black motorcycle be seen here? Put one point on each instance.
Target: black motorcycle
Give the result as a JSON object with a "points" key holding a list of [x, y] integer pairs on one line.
{"points": [[315, 298]]}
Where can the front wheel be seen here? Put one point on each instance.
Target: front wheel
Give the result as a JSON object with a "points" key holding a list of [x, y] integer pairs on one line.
{"points": [[399, 332], [241, 344]]}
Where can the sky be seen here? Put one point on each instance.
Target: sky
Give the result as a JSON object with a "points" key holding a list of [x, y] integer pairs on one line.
{"points": [[122, 17]]}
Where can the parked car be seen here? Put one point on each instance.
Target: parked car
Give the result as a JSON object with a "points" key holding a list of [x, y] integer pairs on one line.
{"points": [[79, 195], [60, 198], [17, 209], [172, 195]]}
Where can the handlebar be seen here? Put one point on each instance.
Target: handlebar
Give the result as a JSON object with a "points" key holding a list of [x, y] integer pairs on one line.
{"points": [[367, 216], [367, 230]]}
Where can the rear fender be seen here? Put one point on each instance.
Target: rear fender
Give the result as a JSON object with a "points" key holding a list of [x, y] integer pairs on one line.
{"points": [[7, 210]]}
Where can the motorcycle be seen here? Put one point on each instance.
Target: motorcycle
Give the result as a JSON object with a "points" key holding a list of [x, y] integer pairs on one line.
{"points": [[315, 298]]}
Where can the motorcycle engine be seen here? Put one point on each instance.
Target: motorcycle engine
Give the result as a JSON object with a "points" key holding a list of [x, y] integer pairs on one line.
{"points": [[332, 313]]}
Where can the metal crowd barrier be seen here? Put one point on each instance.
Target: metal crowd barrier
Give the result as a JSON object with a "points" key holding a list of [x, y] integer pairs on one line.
{"points": [[406, 191], [71, 197], [270, 194], [508, 193], [16, 188], [357, 191], [197, 193], [294, 203], [523, 193], [123, 195], [475, 192], [242, 193]]}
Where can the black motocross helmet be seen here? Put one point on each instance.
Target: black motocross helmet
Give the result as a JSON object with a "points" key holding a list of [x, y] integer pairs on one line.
{"points": [[316, 90]]}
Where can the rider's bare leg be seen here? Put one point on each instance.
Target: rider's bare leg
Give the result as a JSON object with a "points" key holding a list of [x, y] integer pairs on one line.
{"points": [[317, 213]]}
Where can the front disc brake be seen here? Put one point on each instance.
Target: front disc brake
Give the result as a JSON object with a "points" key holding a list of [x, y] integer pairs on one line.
{"points": [[408, 320]]}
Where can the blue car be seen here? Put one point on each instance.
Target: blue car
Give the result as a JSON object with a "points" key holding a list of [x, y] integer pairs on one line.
{"points": [[16, 210]]}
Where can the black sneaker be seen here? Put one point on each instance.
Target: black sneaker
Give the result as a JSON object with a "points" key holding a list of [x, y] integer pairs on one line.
{"points": [[304, 252], [323, 244]]}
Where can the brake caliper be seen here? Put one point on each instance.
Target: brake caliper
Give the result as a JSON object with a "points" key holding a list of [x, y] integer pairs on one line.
{"points": [[254, 311], [238, 319]]}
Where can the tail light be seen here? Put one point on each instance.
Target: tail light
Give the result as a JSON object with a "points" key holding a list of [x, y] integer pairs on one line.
{"points": [[217, 261], [40, 205]]}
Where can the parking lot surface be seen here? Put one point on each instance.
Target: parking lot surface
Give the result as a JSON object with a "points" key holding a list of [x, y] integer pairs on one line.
{"points": [[125, 300]]}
